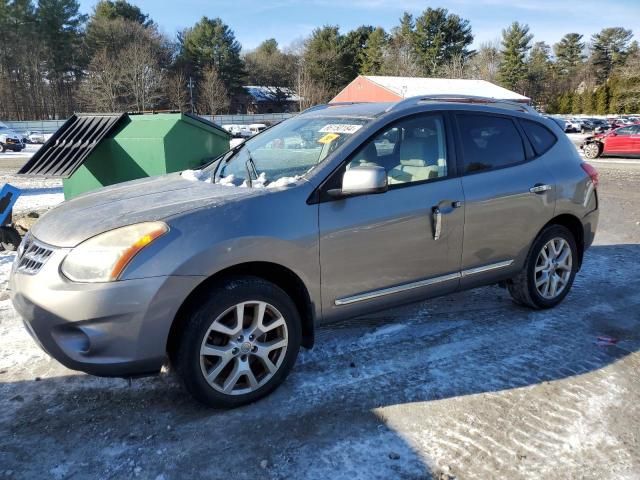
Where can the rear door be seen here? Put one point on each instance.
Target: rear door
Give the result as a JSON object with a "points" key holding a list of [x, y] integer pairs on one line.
{"points": [[509, 192], [384, 249]]}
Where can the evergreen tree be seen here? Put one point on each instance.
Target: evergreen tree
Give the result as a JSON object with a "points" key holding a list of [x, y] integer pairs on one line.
{"points": [[60, 28], [602, 100], [515, 44], [440, 37], [326, 61], [113, 9], [373, 53], [609, 50], [538, 73], [352, 47], [569, 54], [211, 42]]}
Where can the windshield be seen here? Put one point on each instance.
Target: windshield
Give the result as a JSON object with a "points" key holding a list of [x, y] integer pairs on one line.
{"points": [[286, 151]]}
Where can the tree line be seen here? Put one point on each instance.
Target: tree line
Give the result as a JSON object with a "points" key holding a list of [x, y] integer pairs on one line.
{"points": [[55, 60]]}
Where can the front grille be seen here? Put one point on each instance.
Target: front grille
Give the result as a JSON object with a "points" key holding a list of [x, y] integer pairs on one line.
{"points": [[32, 256]]}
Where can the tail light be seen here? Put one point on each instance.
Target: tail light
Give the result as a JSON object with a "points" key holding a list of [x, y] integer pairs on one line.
{"points": [[592, 172]]}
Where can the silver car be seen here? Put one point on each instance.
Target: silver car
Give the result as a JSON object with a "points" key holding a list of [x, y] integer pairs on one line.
{"points": [[339, 211]]}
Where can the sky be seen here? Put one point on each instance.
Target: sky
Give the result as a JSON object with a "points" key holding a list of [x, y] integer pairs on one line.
{"points": [[289, 21]]}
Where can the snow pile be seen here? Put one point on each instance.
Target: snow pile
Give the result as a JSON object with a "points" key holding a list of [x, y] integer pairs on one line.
{"points": [[229, 180], [197, 176]]}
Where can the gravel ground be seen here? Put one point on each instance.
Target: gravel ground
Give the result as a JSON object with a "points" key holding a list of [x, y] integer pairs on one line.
{"points": [[466, 386]]}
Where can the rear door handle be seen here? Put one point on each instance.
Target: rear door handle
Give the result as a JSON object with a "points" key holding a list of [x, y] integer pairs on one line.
{"points": [[540, 188], [436, 218]]}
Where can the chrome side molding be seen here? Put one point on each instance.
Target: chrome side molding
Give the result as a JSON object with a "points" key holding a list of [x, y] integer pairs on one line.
{"points": [[486, 268], [420, 283]]}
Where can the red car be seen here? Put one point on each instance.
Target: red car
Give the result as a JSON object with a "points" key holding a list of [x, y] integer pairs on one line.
{"points": [[623, 141]]}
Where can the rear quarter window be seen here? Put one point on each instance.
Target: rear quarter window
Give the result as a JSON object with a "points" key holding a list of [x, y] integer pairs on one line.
{"points": [[541, 138]]}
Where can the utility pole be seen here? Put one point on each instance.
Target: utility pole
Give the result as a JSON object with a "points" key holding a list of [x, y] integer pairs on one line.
{"points": [[190, 84]]}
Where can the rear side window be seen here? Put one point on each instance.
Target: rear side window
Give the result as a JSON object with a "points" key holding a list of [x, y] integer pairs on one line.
{"points": [[489, 142], [540, 137]]}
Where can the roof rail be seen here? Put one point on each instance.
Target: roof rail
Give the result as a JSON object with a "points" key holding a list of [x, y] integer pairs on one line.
{"points": [[322, 106], [472, 99]]}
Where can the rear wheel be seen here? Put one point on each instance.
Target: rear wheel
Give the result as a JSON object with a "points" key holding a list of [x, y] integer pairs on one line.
{"points": [[592, 150], [549, 272], [239, 344]]}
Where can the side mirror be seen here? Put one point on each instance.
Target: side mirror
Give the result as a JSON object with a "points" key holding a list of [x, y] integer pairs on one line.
{"points": [[362, 181]]}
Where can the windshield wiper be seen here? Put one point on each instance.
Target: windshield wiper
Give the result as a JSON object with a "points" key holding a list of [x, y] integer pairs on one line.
{"points": [[251, 163]]}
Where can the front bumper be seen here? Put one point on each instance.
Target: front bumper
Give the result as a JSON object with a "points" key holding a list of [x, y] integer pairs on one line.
{"points": [[107, 329]]}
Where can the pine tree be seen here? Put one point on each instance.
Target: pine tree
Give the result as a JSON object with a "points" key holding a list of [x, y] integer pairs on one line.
{"points": [[515, 44], [211, 42], [609, 50], [373, 54], [539, 68], [569, 54], [602, 100], [440, 37]]}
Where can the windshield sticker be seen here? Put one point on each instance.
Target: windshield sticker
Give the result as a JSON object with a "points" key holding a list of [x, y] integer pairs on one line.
{"points": [[328, 138], [340, 128]]}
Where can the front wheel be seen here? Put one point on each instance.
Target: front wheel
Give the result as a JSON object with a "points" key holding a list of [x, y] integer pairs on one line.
{"points": [[239, 344], [549, 271], [592, 150]]}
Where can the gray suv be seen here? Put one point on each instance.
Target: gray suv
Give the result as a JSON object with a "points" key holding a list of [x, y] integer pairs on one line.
{"points": [[344, 209]]}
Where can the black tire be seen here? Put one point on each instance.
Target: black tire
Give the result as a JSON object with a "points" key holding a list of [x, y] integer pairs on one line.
{"points": [[9, 239], [4, 148], [592, 150], [223, 297], [522, 287]]}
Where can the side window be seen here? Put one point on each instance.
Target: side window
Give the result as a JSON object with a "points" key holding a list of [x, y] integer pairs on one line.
{"points": [[489, 142], [412, 150], [539, 136], [625, 130]]}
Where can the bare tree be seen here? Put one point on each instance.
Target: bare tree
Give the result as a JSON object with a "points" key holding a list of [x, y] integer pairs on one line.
{"points": [[175, 87], [101, 89], [214, 97], [484, 65], [310, 91], [142, 77], [456, 67]]}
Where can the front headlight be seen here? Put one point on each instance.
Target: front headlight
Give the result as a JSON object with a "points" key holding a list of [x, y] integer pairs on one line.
{"points": [[104, 257]]}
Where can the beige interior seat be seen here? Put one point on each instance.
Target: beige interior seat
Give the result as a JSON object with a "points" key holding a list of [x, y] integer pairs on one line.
{"points": [[413, 167]]}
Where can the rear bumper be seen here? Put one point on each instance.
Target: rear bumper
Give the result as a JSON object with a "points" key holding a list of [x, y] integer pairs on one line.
{"points": [[106, 329]]}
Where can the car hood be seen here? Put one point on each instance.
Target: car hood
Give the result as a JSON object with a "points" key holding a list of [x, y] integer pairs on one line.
{"points": [[132, 202]]}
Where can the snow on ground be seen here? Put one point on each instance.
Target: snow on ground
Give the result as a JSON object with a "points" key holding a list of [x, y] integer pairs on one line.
{"points": [[28, 152]]}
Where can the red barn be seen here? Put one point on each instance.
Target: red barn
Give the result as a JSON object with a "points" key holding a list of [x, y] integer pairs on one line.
{"points": [[367, 88]]}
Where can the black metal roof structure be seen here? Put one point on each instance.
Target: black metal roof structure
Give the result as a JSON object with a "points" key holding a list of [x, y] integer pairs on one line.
{"points": [[70, 146]]}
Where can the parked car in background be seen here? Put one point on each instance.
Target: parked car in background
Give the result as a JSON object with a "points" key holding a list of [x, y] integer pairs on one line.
{"points": [[238, 131], [338, 212], [572, 125], [623, 141], [256, 128], [37, 137], [593, 125], [10, 140]]}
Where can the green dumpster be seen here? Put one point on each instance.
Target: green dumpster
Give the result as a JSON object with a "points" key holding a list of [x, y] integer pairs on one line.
{"points": [[92, 151]]}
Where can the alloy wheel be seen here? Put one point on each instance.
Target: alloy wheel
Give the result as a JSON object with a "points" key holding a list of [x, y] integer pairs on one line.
{"points": [[244, 347], [553, 268]]}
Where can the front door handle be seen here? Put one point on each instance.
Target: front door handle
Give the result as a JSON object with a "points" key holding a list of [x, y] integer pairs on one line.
{"points": [[436, 218], [540, 188]]}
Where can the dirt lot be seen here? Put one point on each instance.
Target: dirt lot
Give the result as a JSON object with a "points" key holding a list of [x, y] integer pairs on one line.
{"points": [[466, 386]]}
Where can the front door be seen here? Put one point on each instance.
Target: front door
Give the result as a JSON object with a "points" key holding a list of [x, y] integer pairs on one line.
{"points": [[385, 249]]}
